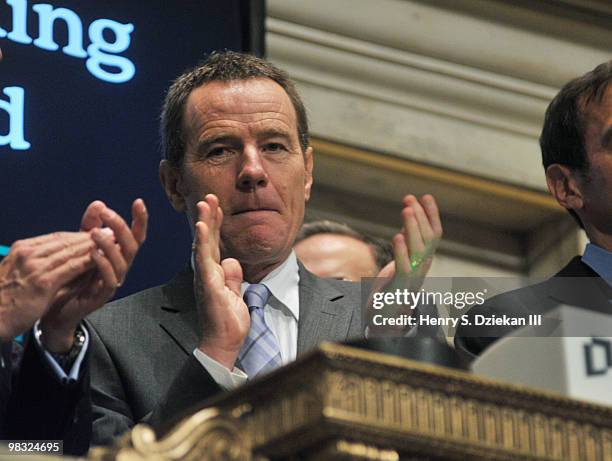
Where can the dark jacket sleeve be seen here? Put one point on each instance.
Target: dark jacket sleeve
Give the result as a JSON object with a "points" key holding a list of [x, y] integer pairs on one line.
{"points": [[191, 387], [471, 339], [5, 384], [41, 407]]}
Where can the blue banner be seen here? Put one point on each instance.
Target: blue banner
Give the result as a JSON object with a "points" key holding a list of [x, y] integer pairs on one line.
{"points": [[81, 86]]}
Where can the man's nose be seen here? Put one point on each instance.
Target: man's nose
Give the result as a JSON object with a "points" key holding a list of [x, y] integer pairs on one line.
{"points": [[252, 170]]}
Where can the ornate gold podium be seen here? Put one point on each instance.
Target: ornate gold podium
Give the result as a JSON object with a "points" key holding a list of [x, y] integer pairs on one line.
{"points": [[341, 403]]}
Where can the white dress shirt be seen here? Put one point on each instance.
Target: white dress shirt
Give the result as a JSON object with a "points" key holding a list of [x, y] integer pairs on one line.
{"points": [[281, 314]]}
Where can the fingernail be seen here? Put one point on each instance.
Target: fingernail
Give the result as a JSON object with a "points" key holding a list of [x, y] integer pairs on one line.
{"points": [[107, 232]]}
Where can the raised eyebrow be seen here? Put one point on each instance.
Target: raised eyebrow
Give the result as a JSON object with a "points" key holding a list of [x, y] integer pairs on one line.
{"points": [[273, 133], [206, 142]]}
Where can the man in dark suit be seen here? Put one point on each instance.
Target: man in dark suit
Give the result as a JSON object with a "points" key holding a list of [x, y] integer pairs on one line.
{"points": [[58, 278], [237, 161], [576, 144]]}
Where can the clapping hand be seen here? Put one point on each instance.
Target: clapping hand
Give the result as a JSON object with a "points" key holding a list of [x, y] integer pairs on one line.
{"points": [[224, 316]]}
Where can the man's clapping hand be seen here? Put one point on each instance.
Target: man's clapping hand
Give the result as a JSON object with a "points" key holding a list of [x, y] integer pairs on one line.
{"points": [[64, 276]]}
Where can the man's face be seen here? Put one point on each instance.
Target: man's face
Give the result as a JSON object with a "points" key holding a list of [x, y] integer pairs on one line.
{"points": [[242, 145], [596, 186], [337, 256]]}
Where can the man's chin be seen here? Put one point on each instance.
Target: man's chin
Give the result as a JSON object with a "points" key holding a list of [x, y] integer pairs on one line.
{"points": [[252, 246]]}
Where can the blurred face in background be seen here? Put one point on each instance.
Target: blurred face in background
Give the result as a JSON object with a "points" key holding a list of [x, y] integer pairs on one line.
{"points": [[337, 256]]}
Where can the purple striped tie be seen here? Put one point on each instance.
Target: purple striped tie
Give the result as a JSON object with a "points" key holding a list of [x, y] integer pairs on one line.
{"points": [[260, 352]]}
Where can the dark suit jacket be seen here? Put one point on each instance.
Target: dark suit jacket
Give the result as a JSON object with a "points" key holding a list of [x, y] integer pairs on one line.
{"points": [[5, 383], [586, 289], [37, 406], [143, 366]]}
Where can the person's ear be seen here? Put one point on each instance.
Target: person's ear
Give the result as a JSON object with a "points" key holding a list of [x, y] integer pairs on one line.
{"points": [[308, 163], [564, 184], [172, 182]]}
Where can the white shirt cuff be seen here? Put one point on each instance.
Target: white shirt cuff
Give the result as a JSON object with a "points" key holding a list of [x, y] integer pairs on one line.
{"points": [[225, 378], [59, 371]]}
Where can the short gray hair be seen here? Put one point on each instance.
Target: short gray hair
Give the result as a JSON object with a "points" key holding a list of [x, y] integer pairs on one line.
{"points": [[223, 66]]}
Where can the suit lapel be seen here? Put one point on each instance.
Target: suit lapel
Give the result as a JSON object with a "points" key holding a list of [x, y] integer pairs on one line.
{"points": [[585, 288], [324, 316], [179, 317]]}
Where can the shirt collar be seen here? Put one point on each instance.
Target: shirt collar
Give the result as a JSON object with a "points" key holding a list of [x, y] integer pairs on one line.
{"points": [[599, 260], [283, 283]]}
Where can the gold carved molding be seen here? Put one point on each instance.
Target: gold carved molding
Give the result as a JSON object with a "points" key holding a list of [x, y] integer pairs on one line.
{"points": [[418, 410], [342, 450], [342, 403]]}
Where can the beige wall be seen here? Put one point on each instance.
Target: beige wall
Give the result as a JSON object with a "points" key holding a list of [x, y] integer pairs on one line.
{"points": [[444, 97]]}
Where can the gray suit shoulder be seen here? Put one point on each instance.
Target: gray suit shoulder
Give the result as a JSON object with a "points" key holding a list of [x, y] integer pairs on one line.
{"points": [[137, 304], [176, 294], [345, 286]]}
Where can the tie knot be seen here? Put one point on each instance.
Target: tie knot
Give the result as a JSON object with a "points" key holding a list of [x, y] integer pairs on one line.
{"points": [[256, 296]]}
